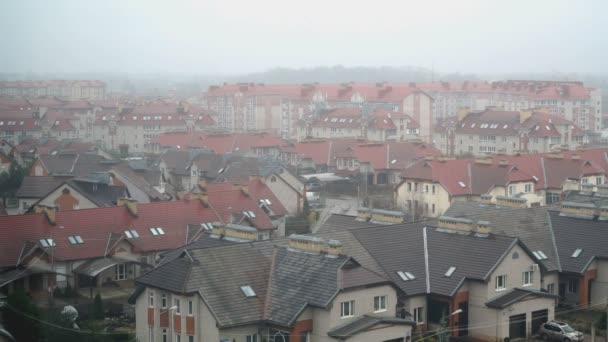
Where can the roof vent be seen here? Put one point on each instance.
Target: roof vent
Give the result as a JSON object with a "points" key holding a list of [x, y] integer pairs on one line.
{"points": [[577, 210]]}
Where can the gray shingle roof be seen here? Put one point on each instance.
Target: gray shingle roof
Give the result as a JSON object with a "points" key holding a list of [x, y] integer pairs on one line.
{"points": [[38, 187], [338, 222], [590, 235], [75, 164], [402, 248], [515, 295], [363, 323], [530, 225]]}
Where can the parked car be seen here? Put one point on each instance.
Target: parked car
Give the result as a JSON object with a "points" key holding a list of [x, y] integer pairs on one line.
{"points": [[559, 331]]}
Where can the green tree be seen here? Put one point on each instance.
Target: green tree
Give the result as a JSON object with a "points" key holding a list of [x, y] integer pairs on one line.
{"points": [[11, 181], [98, 307], [21, 317]]}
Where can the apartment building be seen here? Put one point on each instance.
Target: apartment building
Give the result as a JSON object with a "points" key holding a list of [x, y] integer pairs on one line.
{"points": [[571, 100], [306, 289], [505, 132], [429, 187], [244, 106], [66, 89], [568, 241]]}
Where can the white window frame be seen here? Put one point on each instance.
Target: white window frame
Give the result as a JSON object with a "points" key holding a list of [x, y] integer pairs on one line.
{"points": [[165, 337], [163, 300], [551, 288], [251, 338], [418, 315], [502, 285], [190, 308], [573, 286], [528, 188], [177, 303], [120, 272], [527, 278], [347, 309], [380, 303], [151, 299]]}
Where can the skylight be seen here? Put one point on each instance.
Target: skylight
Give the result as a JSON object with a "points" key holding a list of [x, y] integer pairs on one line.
{"points": [[266, 201], [75, 240], [577, 252], [47, 242], [207, 226], [405, 276], [131, 234], [542, 255], [462, 185], [157, 231], [248, 291], [393, 161], [249, 214], [450, 270]]}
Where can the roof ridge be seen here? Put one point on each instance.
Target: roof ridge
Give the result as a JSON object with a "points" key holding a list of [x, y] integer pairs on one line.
{"points": [[267, 300], [554, 242]]}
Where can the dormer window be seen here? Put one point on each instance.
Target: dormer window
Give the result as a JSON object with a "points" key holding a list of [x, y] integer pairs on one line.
{"points": [[157, 231], [131, 234]]}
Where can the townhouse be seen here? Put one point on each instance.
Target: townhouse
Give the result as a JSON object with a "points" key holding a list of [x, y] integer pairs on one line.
{"points": [[506, 132], [571, 100], [430, 186], [306, 288], [569, 241]]}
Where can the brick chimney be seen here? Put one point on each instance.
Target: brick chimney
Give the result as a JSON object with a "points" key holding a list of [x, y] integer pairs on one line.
{"points": [[334, 247], [305, 243], [603, 214], [236, 232], [130, 204], [483, 227], [602, 190], [387, 216], [578, 210], [524, 115], [49, 212], [515, 202], [485, 198], [456, 223], [364, 214]]}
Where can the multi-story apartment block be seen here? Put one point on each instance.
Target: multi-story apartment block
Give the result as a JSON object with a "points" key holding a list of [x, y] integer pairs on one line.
{"points": [[429, 187], [571, 100], [505, 132], [277, 108], [66, 89], [303, 289]]}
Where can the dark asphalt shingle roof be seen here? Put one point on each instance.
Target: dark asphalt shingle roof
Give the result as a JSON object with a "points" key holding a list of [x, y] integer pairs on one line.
{"points": [[38, 187], [363, 323], [75, 164], [590, 235], [530, 225], [515, 295]]}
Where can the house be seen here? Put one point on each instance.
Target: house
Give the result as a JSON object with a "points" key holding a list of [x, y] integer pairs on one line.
{"points": [[569, 241], [494, 293], [69, 163], [430, 186], [305, 290]]}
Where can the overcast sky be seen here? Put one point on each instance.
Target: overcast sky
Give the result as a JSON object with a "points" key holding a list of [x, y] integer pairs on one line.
{"points": [[236, 36]]}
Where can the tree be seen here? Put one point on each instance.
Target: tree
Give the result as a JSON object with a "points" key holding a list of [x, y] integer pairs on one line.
{"points": [[21, 317], [98, 307], [11, 181]]}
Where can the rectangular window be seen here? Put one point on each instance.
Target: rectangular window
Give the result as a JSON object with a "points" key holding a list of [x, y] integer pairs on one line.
{"points": [[190, 338], [178, 337], [527, 278], [120, 271], [163, 300], [252, 338], [176, 303], [151, 299], [573, 285], [165, 335], [585, 180], [151, 334], [528, 188], [190, 308], [551, 288], [379, 303], [501, 282], [418, 315], [433, 189], [433, 207], [511, 190], [347, 309], [598, 180], [426, 188]]}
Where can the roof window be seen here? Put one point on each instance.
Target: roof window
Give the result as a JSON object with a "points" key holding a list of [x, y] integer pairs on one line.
{"points": [[47, 242], [157, 231], [405, 276], [450, 271], [249, 214], [207, 226], [248, 291], [577, 252], [131, 234], [75, 240]]}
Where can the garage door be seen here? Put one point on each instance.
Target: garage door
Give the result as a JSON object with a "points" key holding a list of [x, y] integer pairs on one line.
{"points": [[538, 318], [517, 326]]}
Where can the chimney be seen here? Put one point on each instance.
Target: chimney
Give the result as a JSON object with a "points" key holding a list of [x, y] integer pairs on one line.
{"points": [[503, 162], [334, 247], [485, 199], [305, 243], [455, 223], [49, 212], [483, 227], [236, 232], [130, 204], [575, 157], [524, 115], [387, 216], [202, 185], [244, 188], [485, 161], [578, 210], [364, 214], [555, 155], [515, 202], [202, 197], [603, 214], [602, 190]]}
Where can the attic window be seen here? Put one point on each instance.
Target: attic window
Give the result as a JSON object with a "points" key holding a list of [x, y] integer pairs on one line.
{"points": [[505, 126], [393, 161], [157, 231], [535, 178], [249, 214], [131, 234], [462, 185], [47, 242], [540, 255], [405, 276], [450, 271], [248, 291], [207, 226], [266, 201], [577, 252], [75, 240]]}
